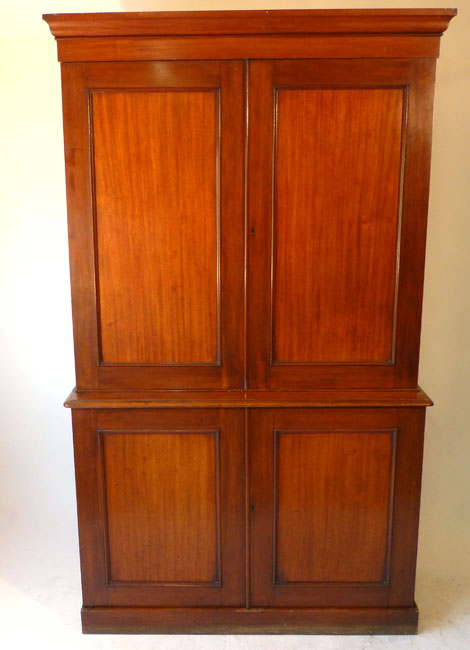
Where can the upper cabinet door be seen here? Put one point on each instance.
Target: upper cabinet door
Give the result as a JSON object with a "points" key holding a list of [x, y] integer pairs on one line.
{"points": [[155, 168], [337, 203]]}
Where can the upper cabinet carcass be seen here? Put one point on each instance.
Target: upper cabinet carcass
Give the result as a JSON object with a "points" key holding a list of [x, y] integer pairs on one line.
{"points": [[248, 196]]}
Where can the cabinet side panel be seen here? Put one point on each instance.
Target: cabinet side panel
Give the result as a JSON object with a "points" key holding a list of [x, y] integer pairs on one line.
{"points": [[155, 156], [337, 185], [161, 498]]}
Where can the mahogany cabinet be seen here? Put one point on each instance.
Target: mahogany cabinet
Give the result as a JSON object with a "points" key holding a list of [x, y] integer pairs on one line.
{"points": [[247, 203]]}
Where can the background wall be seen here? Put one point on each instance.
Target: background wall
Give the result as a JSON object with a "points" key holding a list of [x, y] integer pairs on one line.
{"points": [[39, 573]]}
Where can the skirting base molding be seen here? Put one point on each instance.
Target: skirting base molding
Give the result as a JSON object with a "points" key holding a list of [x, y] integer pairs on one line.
{"points": [[148, 620]]}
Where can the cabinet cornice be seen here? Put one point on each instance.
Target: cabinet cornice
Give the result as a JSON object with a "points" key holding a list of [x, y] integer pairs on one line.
{"points": [[318, 21]]}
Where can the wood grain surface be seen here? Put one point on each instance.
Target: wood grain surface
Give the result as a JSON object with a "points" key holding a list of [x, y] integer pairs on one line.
{"points": [[332, 515], [233, 47], [160, 497], [247, 399], [140, 23], [224, 620], [156, 174], [337, 190], [247, 204], [162, 493], [208, 263], [367, 246], [333, 518]]}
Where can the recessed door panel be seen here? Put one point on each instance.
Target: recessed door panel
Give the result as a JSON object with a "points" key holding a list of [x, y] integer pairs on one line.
{"points": [[156, 161], [161, 500], [332, 505], [335, 228], [334, 497]]}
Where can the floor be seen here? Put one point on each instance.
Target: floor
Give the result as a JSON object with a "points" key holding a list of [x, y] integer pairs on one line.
{"points": [[40, 603]]}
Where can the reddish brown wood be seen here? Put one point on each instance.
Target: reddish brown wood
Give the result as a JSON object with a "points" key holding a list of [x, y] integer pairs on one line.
{"points": [[332, 492], [347, 584], [414, 222], [263, 46], [336, 252], [247, 399], [157, 214], [337, 157], [411, 21], [80, 224], [247, 203], [160, 503], [349, 33], [323, 620], [139, 266]]}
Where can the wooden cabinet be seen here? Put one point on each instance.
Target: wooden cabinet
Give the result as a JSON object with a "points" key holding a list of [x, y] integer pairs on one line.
{"points": [[247, 204]]}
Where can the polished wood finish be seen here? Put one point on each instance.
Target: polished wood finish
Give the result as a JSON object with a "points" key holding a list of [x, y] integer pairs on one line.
{"points": [[332, 492], [160, 503], [171, 48], [323, 620], [344, 199], [247, 204], [161, 499], [353, 487], [334, 278], [156, 202], [174, 305], [247, 399], [406, 21], [251, 34]]}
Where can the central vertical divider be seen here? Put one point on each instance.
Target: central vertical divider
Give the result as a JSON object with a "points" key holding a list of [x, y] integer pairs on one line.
{"points": [[246, 73]]}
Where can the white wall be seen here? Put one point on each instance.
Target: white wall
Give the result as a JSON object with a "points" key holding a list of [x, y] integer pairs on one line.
{"points": [[38, 547]]}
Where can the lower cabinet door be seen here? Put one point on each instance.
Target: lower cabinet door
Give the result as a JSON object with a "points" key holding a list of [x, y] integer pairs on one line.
{"points": [[161, 506], [334, 503]]}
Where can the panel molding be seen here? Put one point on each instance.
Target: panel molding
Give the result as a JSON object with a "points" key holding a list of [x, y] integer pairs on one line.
{"points": [[385, 582], [109, 581], [353, 85], [100, 90]]}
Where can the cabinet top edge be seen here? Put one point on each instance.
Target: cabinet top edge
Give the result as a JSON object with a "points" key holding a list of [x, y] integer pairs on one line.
{"points": [[301, 21]]}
